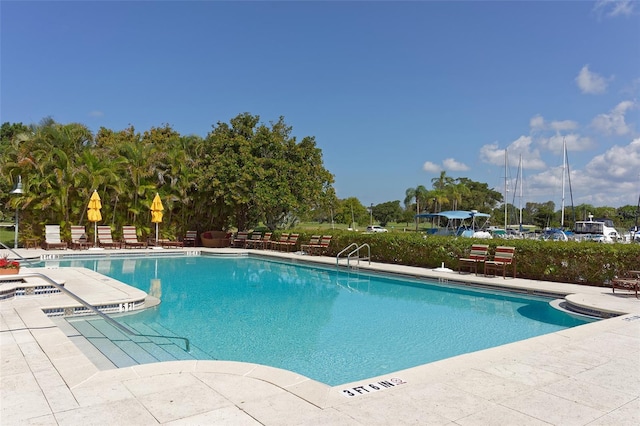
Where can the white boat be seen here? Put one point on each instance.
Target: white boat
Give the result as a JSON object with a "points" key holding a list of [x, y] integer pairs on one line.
{"points": [[598, 230]]}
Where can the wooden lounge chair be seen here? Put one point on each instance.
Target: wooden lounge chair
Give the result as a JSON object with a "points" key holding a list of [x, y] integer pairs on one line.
{"points": [[166, 243], [631, 282], [273, 245], [130, 238], [52, 238], [322, 247], [264, 241], [477, 256], [79, 238], [290, 244], [502, 259], [105, 239], [240, 239], [190, 238], [313, 241], [255, 239]]}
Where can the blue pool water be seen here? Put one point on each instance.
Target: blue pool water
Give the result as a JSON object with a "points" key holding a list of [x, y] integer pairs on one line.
{"points": [[329, 325]]}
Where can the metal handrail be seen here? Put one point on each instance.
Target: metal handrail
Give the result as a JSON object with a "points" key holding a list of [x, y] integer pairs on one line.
{"points": [[357, 250], [18, 255], [97, 311], [343, 250]]}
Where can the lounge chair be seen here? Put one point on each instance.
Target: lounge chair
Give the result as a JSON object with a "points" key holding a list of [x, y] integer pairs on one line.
{"points": [[313, 241], [240, 239], [322, 247], [255, 239], [130, 238], [290, 244], [502, 259], [79, 238], [264, 241], [631, 282], [105, 239], [273, 245], [52, 238], [190, 238], [477, 256], [166, 243]]}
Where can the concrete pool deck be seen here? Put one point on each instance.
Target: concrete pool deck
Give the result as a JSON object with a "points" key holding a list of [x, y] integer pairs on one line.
{"points": [[587, 375]]}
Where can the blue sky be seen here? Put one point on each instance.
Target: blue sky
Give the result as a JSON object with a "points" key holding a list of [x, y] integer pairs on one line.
{"points": [[393, 92]]}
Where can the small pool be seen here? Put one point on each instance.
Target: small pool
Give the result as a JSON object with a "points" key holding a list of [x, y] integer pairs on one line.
{"points": [[327, 324]]}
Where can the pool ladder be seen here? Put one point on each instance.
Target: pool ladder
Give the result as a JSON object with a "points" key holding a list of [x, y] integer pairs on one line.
{"points": [[355, 252]]}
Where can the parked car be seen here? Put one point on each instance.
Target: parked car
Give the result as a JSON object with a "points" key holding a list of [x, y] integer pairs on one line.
{"points": [[376, 228]]}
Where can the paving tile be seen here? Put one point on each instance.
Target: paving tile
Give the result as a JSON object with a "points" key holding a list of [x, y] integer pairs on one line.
{"points": [[446, 400], [499, 415], [20, 404], [117, 413], [380, 409], [100, 393], [239, 389], [281, 409], [488, 386], [620, 374], [523, 373], [589, 394], [553, 409], [222, 416], [627, 415], [60, 398], [168, 402]]}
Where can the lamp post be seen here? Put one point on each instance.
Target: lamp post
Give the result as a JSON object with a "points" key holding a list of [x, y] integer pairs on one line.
{"points": [[371, 214], [17, 190]]}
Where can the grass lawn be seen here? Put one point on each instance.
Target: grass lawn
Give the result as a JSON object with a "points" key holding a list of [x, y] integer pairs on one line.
{"points": [[6, 236]]}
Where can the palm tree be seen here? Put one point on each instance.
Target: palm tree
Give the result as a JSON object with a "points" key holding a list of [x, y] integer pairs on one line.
{"points": [[420, 194]]}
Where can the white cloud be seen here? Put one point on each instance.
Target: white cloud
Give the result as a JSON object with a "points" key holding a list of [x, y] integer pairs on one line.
{"points": [[613, 8], [454, 166], [96, 114], [618, 164], [590, 82], [448, 164], [574, 142], [522, 146], [431, 167], [536, 122], [614, 122], [560, 126]]}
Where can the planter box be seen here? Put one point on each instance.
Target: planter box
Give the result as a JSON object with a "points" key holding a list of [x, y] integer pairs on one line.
{"points": [[9, 271]]}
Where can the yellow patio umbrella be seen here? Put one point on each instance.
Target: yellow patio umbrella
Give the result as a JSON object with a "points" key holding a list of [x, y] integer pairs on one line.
{"points": [[156, 212], [94, 215]]}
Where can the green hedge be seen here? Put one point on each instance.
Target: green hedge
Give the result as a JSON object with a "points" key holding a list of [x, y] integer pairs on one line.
{"points": [[568, 262]]}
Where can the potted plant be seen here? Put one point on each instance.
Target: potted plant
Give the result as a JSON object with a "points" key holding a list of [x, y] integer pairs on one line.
{"points": [[7, 266]]}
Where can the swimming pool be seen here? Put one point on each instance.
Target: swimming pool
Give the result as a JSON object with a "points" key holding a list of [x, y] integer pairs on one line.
{"points": [[327, 324]]}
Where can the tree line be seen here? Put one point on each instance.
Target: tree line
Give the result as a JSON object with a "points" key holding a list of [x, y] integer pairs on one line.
{"points": [[241, 174]]}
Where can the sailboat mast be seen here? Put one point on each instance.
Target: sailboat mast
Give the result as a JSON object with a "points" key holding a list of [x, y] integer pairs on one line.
{"points": [[564, 167], [506, 165], [521, 179]]}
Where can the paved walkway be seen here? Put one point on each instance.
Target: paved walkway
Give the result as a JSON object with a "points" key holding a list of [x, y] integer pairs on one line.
{"points": [[588, 375]]}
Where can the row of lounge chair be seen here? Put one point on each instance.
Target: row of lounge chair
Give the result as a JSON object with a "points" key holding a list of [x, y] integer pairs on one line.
{"points": [[79, 239], [287, 242], [503, 259]]}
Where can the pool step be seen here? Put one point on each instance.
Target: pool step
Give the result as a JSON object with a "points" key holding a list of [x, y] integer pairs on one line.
{"points": [[123, 350]]}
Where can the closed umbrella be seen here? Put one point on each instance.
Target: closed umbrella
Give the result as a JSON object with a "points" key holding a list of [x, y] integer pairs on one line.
{"points": [[94, 215], [156, 212]]}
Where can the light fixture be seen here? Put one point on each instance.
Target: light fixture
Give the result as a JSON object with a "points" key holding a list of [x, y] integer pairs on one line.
{"points": [[17, 190]]}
